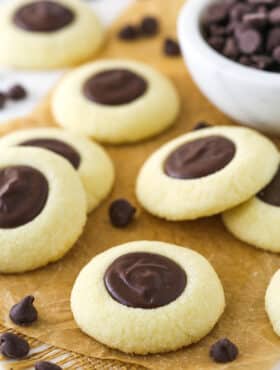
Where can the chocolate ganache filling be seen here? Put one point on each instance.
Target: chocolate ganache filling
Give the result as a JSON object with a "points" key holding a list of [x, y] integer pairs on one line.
{"points": [[43, 16], [271, 193], [57, 146], [200, 157], [144, 280], [115, 87], [23, 194]]}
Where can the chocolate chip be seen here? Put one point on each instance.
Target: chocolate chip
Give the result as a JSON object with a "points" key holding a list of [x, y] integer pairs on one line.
{"points": [[230, 49], [24, 313], [17, 92], [217, 42], [46, 365], [217, 30], [249, 41], [128, 33], [273, 39], [262, 61], [223, 351], [121, 213], [2, 100], [274, 16], [245, 60], [13, 346], [256, 20], [238, 10], [201, 125], [149, 26], [217, 13], [276, 54], [171, 47]]}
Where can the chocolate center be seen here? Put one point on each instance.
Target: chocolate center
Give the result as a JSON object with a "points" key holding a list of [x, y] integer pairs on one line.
{"points": [[58, 147], [199, 158], [271, 193], [144, 280], [114, 87], [43, 16], [23, 195]]}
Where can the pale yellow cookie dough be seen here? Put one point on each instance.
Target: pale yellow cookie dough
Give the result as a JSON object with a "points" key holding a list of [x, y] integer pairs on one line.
{"points": [[252, 167], [70, 45], [95, 169], [56, 228], [183, 321], [144, 117], [272, 302], [255, 222]]}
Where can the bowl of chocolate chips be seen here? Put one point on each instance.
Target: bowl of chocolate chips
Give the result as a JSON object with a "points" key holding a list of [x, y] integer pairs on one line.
{"points": [[232, 50]]}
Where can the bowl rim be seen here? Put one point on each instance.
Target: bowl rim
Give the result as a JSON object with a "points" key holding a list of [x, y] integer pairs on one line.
{"points": [[192, 41]]}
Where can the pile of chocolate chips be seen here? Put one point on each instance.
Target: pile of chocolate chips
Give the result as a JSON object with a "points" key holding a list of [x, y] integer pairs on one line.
{"points": [[15, 93], [246, 31]]}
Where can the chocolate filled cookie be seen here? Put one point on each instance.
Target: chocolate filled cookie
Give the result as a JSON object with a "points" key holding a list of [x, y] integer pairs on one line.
{"points": [[129, 297], [42, 208], [206, 172], [257, 221], [47, 33], [272, 302], [115, 101], [91, 162]]}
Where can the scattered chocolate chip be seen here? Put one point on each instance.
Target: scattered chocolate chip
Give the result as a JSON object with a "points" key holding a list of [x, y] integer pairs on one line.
{"points": [[262, 61], [238, 10], [200, 125], [121, 213], [2, 100], [149, 26], [128, 33], [17, 92], [46, 365], [223, 351], [13, 346], [24, 313], [245, 60], [171, 47]]}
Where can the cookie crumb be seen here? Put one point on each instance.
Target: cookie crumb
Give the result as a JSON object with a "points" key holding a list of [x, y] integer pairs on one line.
{"points": [[223, 351], [121, 213]]}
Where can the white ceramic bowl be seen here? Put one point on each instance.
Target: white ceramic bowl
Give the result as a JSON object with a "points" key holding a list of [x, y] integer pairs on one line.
{"points": [[248, 95]]}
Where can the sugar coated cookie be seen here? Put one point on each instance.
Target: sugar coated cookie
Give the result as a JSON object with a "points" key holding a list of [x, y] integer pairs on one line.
{"points": [[257, 221], [272, 302], [115, 101], [88, 158], [147, 297], [42, 208], [206, 172], [47, 33]]}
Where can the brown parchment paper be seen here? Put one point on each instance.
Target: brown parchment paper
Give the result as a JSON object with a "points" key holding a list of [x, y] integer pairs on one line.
{"points": [[244, 271]]}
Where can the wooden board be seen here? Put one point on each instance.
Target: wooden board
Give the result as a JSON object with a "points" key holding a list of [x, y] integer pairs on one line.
{"points": [[244, 271]]}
